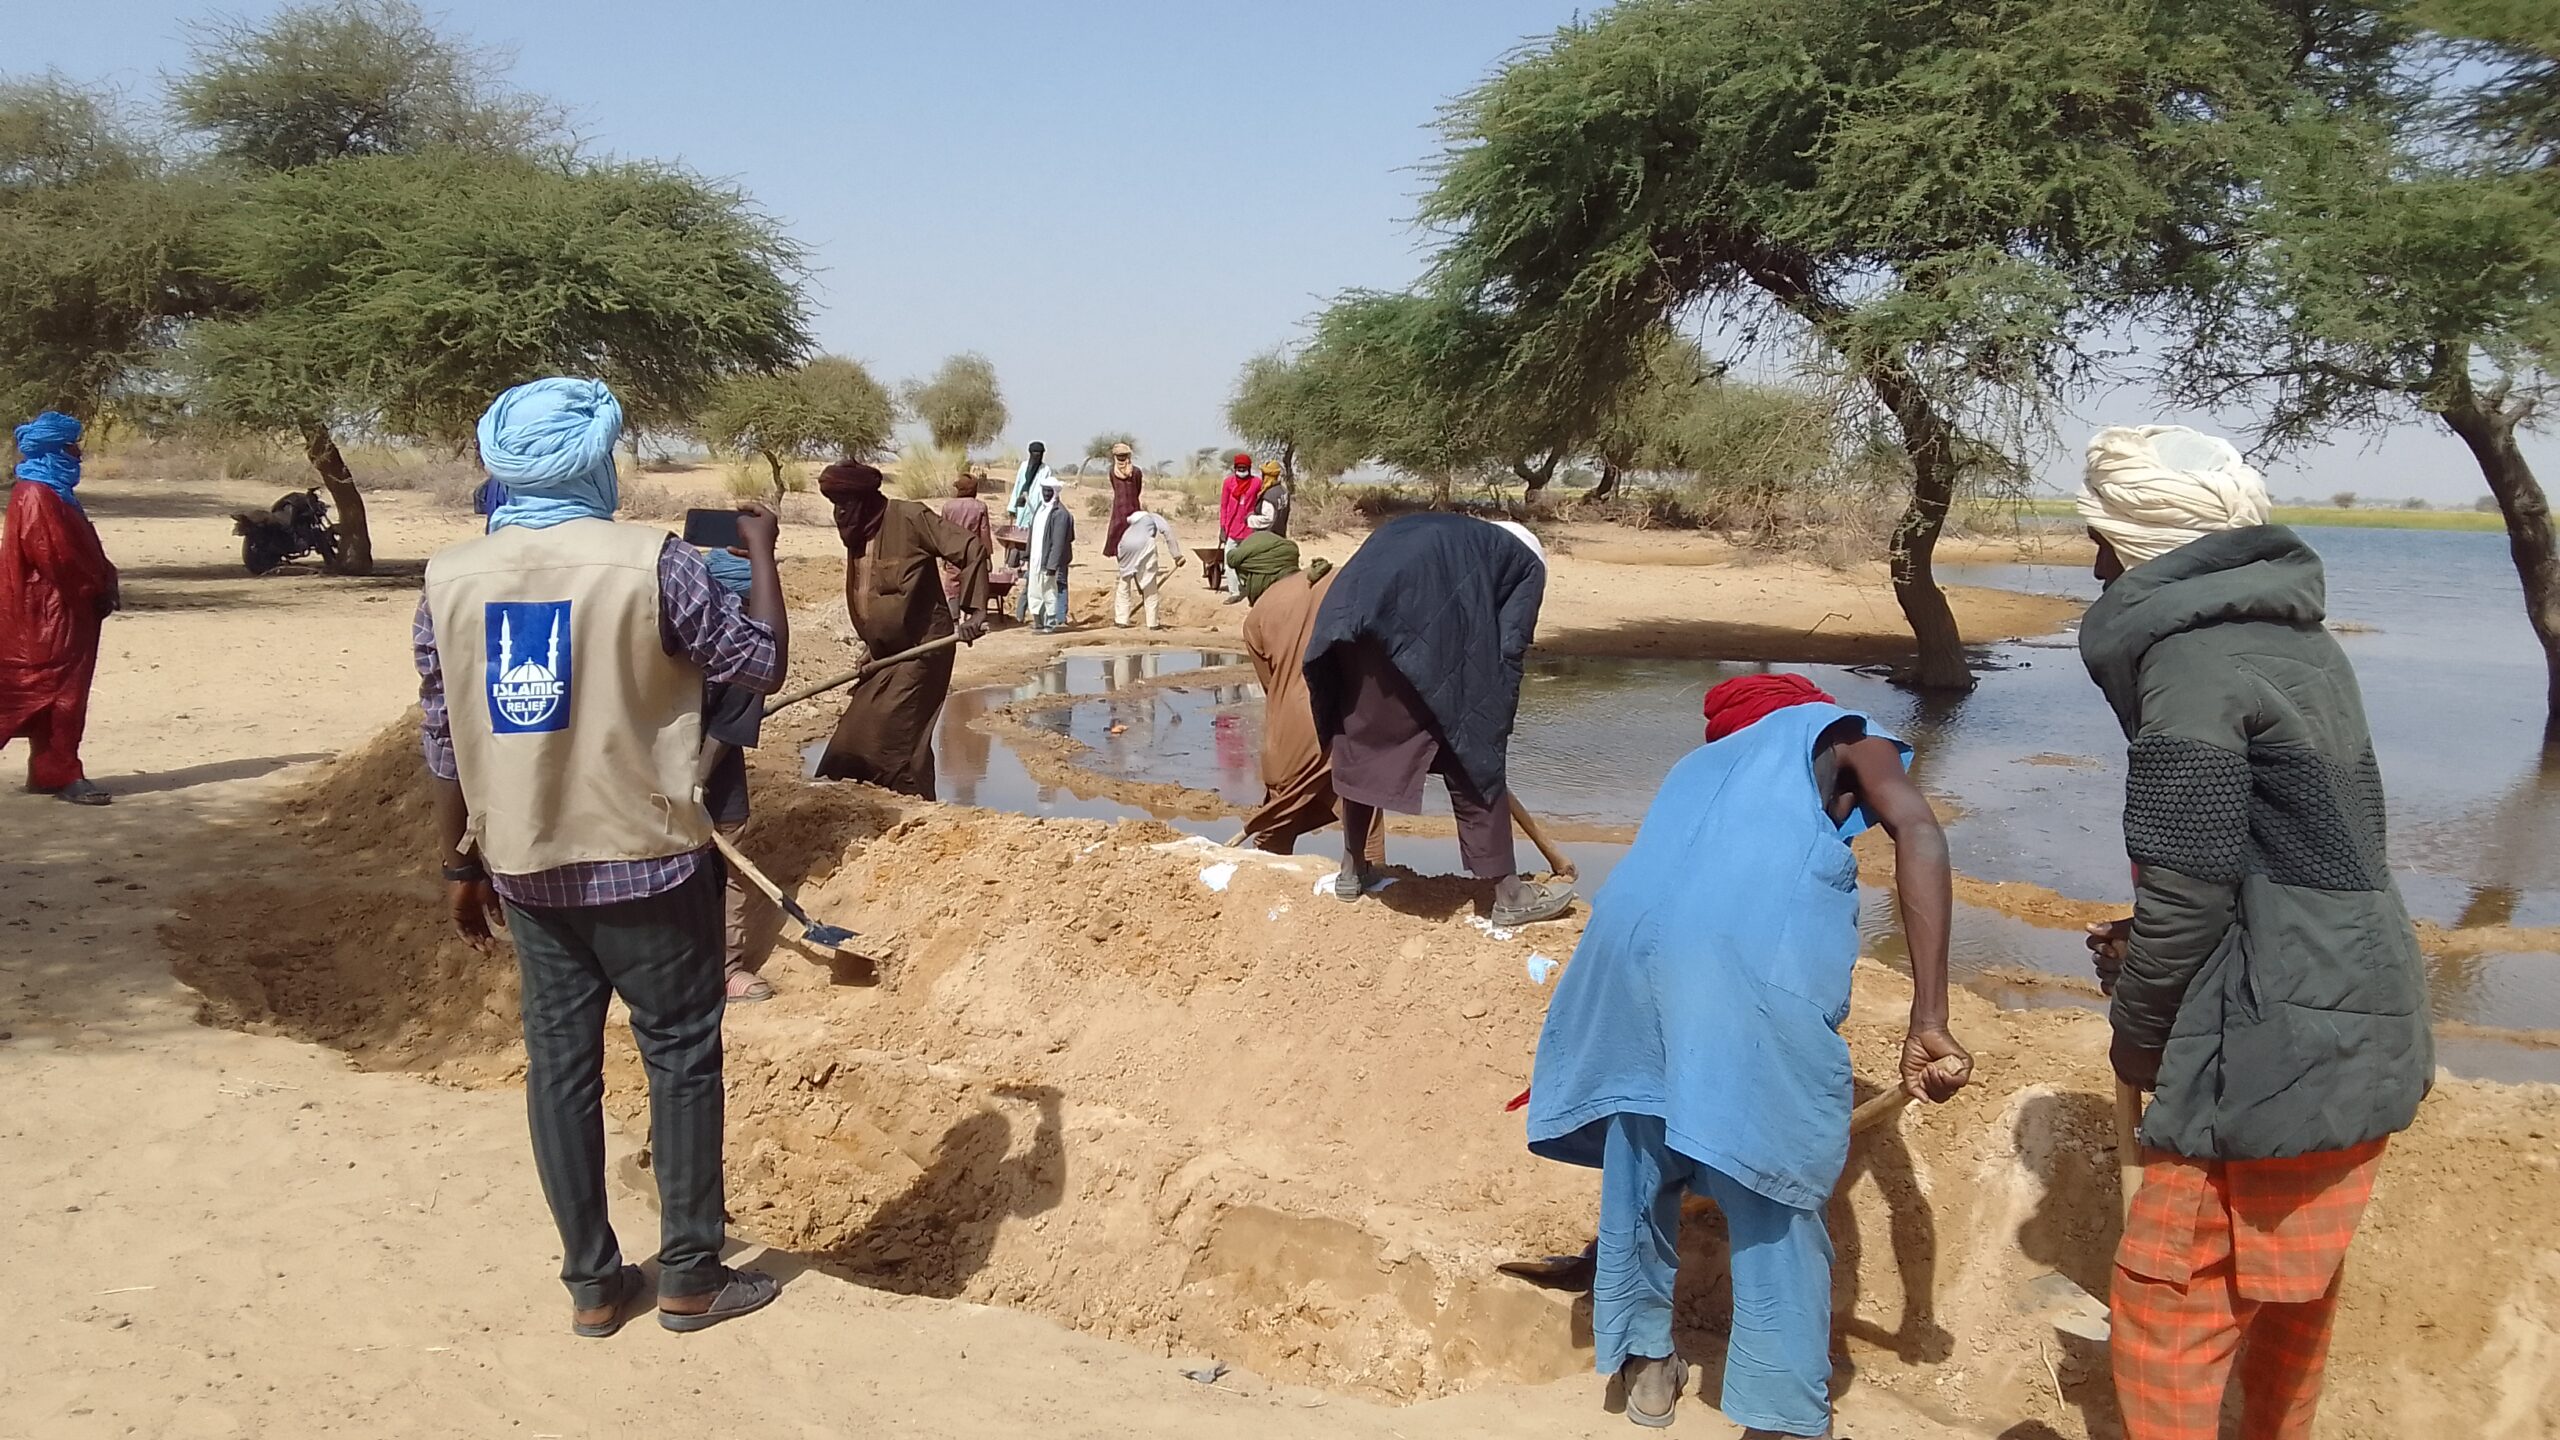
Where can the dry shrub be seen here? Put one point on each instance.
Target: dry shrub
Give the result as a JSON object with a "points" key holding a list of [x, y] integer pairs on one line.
{"points": [[649, 500], [1321, 511], [925, 472]]}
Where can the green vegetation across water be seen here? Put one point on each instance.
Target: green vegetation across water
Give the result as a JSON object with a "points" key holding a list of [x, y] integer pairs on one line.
{"points": [[2378, 518]]}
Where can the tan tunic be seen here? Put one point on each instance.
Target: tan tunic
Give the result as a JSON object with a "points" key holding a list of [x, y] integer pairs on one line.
{"points": [[1297, 785], [895, 597]]}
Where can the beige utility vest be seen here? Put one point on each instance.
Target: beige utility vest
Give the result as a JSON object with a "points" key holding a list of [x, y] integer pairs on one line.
{"points": [[577, 735]]}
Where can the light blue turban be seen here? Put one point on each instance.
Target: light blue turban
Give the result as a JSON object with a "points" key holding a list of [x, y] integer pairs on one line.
{"points": [[550, 443], [730, 572], [42, 441]]}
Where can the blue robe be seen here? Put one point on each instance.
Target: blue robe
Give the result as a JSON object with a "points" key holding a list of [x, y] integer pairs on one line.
{"points": [[1711, 983]]}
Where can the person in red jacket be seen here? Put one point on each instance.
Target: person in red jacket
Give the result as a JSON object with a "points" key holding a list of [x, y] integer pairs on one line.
{"points": [[56, 591], [1235, 514]]}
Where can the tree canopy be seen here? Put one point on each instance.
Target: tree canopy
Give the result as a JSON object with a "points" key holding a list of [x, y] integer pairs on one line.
{"points": [[315, 83], [828, 409], [961, 405]]}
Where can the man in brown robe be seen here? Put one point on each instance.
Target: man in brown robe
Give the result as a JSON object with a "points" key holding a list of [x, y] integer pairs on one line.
{"points": [[893, 591], [1297, 783], [1128, 483]]}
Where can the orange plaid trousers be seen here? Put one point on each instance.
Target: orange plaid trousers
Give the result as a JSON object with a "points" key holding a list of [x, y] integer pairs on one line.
{"points": [[2233, 1259]]}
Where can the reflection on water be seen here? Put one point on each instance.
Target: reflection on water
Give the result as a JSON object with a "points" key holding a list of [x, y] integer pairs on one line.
{"points": [[2032, 759]]}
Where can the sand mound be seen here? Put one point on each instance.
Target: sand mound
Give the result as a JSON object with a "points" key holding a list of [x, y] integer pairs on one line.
{"points": [[1169, 1094]]}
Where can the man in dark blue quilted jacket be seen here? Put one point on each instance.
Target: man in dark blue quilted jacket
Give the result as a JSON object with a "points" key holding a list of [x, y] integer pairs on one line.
{"points": [[2268, 987]]}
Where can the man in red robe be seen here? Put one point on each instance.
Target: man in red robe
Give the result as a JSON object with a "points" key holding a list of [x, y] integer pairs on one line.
{"points": [[56, 590]]}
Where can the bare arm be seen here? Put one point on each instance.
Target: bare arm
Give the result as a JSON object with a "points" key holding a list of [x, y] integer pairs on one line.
{"points": [[1934, 1066]]}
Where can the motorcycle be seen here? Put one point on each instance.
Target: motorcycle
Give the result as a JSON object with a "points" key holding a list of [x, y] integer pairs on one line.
{"points": [[295, 526]]}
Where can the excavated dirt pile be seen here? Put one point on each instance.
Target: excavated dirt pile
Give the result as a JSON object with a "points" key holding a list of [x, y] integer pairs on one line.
{"points": [[1168, 1093]]}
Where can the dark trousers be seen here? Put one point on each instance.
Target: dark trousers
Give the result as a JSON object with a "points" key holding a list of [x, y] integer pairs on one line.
{"points": [[662, 956], [1484, 828]]}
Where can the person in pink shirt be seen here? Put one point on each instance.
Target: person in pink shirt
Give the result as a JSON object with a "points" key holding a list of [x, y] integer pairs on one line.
{"points": [[1235, 514]]}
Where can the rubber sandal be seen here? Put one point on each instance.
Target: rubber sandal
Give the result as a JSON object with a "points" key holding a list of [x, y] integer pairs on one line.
{"points": [[746, 1292], [628, 1285], [1679, 1385], [82, 792], [755, 994], [1348, 883], [1544, 902]]}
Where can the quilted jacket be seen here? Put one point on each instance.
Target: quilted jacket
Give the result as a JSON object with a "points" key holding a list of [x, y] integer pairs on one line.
{"points": [[2272, 962]]}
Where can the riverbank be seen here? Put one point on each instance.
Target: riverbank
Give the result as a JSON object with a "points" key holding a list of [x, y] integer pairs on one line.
{"points": [[1146, 1119]]}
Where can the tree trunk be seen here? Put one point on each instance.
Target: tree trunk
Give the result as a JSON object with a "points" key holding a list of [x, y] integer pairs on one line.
{"points": [[776, 462], [1927, 439], [355, 537], [1535, 477], [1440, 490], [2490, 430], [1608, 485]]}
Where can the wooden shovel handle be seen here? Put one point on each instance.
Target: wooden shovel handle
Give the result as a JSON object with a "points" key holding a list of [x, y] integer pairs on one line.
{"points": [[1537, 833], [781, 703], [2129, 1140]]}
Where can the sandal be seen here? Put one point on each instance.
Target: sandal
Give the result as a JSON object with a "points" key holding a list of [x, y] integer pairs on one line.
{"points": [[82, 792], [1349, 882], [746, 1292], [758, 991], [1539, 902], [627, 1287]]}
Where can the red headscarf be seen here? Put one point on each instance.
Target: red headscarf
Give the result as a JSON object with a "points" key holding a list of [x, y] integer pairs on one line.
{"points": [[1740, 702], [854, 489]]}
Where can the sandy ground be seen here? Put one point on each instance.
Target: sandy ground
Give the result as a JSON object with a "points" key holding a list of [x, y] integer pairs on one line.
{"points": [[1024, 1164]]}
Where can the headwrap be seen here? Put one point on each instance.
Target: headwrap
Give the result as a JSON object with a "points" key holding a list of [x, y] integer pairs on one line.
{"points": [[550, 443], [42, 441], [1241, 463], [2152, 488], [1270, 469], [1262, 560], [1526, 536], [730, 572], [854, 489], [1751, 698]]}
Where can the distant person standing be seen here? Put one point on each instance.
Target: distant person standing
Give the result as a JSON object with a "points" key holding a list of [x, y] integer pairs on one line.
{"points": [[1235, 513], [1025, 496], [1271, 507], [893, 594], [56, 591], [1053, 543], [562, 660], [2268, 986], [966, 512], [1414, 669], [1127, 484], [1147, 556]]}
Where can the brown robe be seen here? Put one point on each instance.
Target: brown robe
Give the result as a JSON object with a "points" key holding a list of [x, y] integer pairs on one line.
{"points": [[1125, 495], [894, 595], [1297, 785]]}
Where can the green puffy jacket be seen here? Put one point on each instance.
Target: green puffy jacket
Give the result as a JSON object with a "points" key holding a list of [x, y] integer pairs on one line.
{"points": [[2272, 961]]}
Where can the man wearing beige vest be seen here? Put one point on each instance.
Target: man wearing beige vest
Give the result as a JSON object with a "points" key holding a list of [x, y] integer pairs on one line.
{"points": [[562, 659]]}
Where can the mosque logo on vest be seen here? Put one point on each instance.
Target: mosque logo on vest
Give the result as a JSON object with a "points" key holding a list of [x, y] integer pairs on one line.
{"points": [[528, 667]]}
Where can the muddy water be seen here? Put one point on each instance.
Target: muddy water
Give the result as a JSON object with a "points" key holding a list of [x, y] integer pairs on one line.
{"points": [[2031, 760]]}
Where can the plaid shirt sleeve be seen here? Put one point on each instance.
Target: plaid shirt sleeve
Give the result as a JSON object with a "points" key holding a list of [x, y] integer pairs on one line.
{"points": [[699, 620], [436, 734]]}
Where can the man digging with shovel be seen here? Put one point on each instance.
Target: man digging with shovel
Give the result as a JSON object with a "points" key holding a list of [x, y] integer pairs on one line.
{"points": [[1694, 1041]]}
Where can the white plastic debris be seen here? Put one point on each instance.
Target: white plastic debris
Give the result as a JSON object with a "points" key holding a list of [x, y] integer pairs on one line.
{"points": [[1216, 876], [1488, 927], [1542, 968]]}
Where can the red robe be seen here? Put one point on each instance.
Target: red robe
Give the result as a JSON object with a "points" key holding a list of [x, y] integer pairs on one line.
{"points": [[54, 587]]}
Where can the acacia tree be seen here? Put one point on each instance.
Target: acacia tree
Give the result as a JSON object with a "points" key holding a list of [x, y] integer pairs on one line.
{"points": [[408, 290], [1100, 446], [2402, 259], [1280, 407], [95, 242], [830, 407], [1946, 200], [961, 405]]}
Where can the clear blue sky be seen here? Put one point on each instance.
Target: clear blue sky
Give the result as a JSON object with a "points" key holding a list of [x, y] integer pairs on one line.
{"points": [[1117, 203]]}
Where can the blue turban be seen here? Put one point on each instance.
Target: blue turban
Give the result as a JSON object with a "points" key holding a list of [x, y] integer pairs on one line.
{"points": [[551, 444], [42, 441], [731, 572]]}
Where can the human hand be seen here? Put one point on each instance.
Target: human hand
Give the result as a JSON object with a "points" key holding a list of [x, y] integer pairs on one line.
{"points": [[972, 627], [856, 647], [475, 908], [2135, 1065], [758, 529], [1934, 1066], [2107, 942]]}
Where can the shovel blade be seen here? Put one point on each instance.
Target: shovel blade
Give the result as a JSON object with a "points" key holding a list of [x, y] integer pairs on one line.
{"points": [[2068, 1308]]}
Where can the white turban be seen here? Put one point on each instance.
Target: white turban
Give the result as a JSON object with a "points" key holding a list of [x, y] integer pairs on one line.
{"points": [[2152, 488], [1527, 537]]}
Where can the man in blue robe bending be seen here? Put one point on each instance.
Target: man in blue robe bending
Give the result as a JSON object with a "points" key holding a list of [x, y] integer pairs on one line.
{"points": [[1694, 1042]]}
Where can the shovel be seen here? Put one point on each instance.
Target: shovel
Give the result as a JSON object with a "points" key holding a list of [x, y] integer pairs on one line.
{"points": [[832, 937], [783, 702], [2072, 1310]]}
